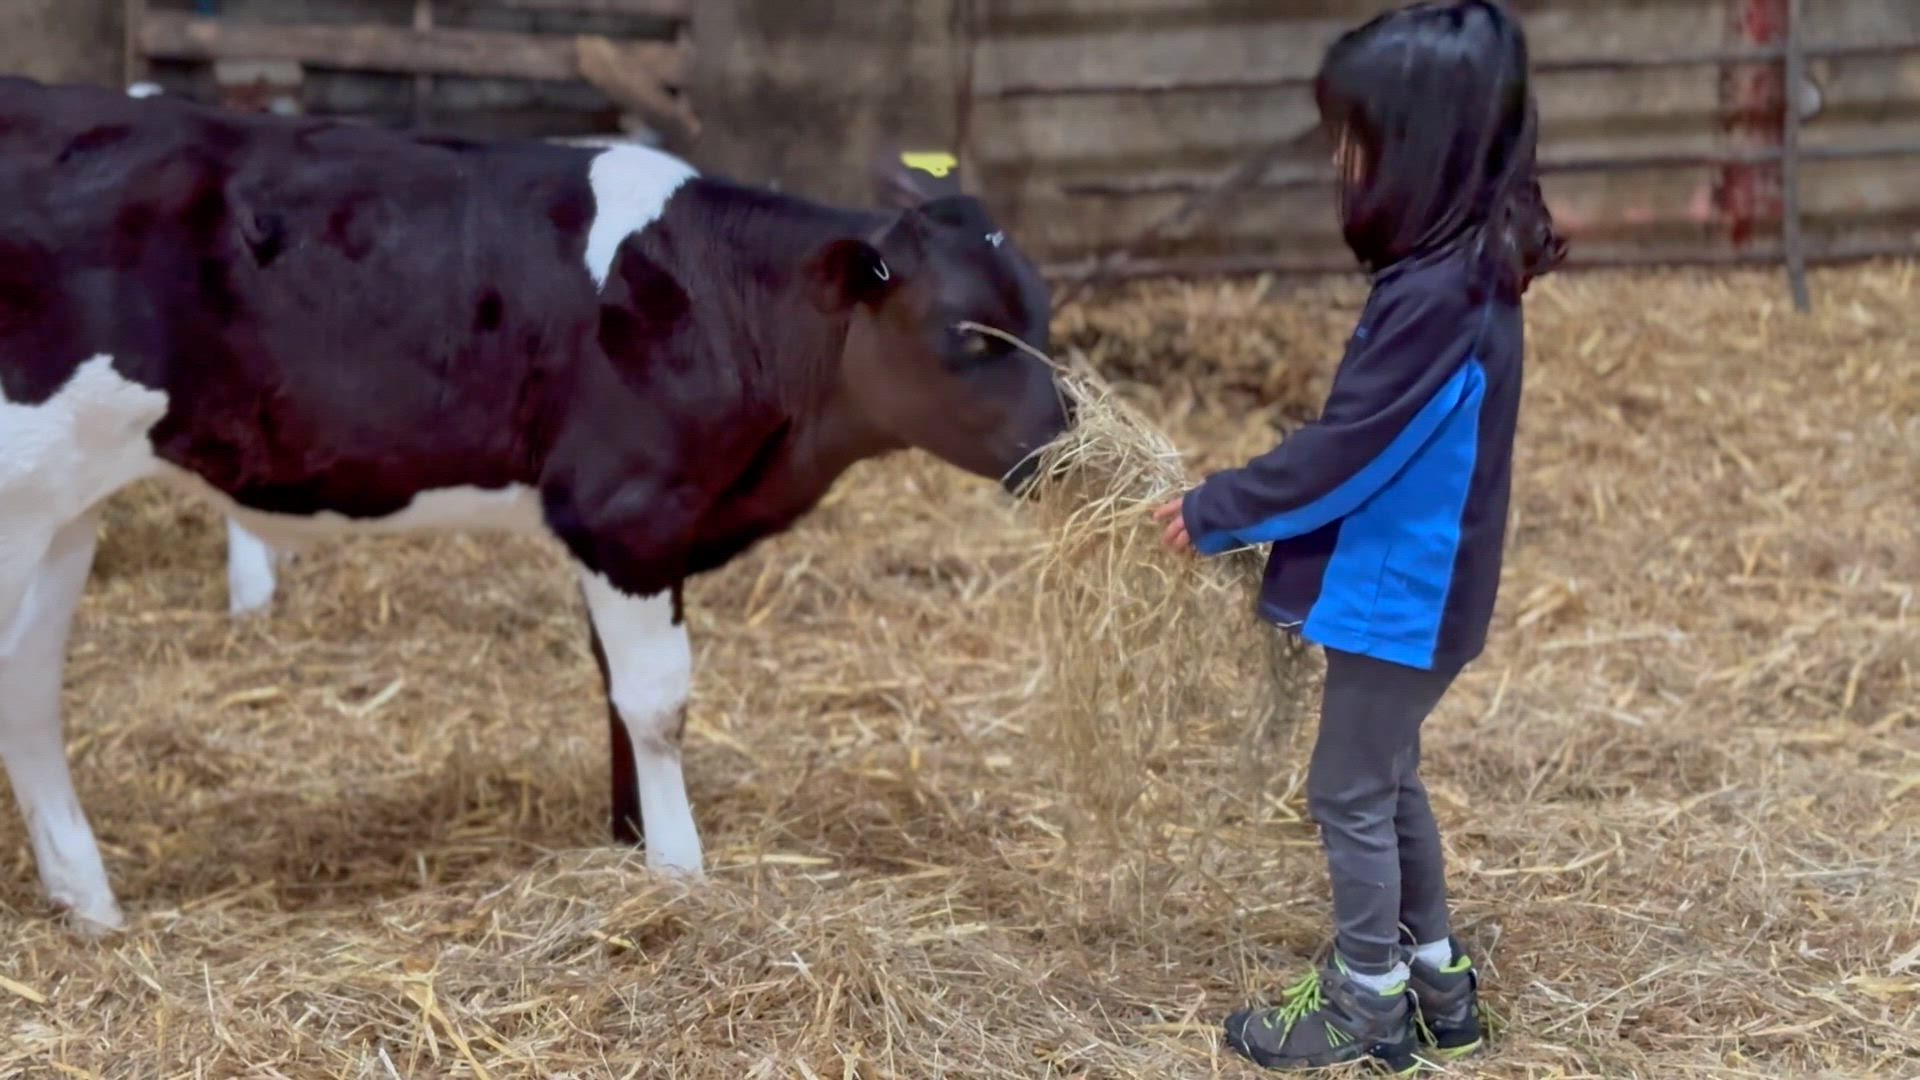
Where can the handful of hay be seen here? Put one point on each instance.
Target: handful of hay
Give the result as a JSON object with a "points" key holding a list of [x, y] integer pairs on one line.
{"points": [[1160, 678]]}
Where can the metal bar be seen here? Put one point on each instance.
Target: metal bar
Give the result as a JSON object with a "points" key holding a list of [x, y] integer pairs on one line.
{"points": [[1764, 54], [1175, 185], [664, 9], [1761, 156], [1205, 199], [1244, 265], [1791, 236], [1149, 86]]}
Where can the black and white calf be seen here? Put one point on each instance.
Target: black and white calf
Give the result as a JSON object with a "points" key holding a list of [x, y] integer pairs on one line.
{"points": [[252, 564], [326, 327]]}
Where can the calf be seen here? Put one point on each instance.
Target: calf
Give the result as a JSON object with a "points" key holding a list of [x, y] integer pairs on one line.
{"points": [[326, 327], [252, 565]]}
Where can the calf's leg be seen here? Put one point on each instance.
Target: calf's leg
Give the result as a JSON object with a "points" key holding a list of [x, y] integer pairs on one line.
{"points": [[33, 648], [624, 787], [250, 571], [649, 667]]}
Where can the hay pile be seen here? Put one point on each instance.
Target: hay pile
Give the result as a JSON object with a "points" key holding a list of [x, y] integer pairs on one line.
{"points": [[359, 838], [1158, 673]]}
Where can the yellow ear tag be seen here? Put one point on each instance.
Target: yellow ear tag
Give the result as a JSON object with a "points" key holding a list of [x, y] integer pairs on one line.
{"points": [[937, 163]]}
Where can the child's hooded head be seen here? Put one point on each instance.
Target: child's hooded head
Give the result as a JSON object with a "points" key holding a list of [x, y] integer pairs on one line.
{"points": [[1434, 128]]}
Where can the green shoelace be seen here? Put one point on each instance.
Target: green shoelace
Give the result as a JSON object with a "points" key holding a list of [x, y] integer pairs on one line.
{"points": [[1296, 1001]]}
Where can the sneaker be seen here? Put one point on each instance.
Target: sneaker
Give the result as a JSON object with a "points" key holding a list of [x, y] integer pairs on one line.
{"points": [[1328, 1019], [1447, 1005]]}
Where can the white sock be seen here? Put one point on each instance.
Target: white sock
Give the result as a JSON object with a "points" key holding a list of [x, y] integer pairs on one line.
{"points": [[1382, 982], [1435, 954]]}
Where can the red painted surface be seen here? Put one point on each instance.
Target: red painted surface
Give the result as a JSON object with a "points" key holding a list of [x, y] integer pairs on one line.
{"points": [[1753, 106]]}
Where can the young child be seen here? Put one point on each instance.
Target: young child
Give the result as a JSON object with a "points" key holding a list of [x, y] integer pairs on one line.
{"points": [[1386, 514]]}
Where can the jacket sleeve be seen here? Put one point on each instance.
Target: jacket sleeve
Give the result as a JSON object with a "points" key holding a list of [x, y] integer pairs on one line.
{"points": [[1393, 391]]}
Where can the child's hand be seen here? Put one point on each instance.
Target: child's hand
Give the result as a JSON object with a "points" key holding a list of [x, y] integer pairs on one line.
{"points": [[1175, 536]]}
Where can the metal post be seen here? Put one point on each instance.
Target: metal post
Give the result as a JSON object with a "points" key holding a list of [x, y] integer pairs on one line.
{"points": [[1792, 239], [133, 63], [1748, 198], [422, 84], [967, 41]]}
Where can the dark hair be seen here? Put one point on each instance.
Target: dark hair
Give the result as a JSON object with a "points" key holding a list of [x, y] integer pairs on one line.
{"points": [[1436, 128]]}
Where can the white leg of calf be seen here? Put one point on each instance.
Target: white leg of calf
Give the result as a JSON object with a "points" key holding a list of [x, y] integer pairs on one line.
{"points": [[33, 647], [250, 571], [650, 669]]}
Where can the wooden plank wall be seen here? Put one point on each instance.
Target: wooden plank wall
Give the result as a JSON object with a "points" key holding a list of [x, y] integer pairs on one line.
{"points": [[478, 67], [1030, 151], [61, 40], [1863, 102], [801, 94]]}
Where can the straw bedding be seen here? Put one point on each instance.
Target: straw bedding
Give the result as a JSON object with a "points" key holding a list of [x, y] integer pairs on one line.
{"points": [[358, 838]]}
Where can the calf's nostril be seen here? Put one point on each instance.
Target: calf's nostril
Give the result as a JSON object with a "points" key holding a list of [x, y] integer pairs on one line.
{"points": [[1016, 480]]}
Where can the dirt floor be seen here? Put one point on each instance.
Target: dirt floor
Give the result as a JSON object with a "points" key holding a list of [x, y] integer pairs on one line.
{"points": [[360, 837]]}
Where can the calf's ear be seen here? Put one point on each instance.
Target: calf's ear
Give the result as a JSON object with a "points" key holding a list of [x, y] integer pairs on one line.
{"points": [[846, 272]]}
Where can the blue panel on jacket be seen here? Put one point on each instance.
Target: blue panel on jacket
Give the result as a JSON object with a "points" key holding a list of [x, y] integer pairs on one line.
{"points": [[1385, 590]]}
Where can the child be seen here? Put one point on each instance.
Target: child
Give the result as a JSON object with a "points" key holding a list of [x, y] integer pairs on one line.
{"points": [[1386, 515]]}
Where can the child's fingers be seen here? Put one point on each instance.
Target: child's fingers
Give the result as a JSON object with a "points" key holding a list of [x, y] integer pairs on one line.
{"points": [[1175, 536], [1166, 511]]}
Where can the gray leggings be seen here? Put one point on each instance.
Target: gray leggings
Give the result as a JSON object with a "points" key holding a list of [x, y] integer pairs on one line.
{"points": [[1383, 848]]}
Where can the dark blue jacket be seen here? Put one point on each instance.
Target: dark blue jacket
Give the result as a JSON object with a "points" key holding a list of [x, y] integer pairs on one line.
{"points": [[1387, 515]]}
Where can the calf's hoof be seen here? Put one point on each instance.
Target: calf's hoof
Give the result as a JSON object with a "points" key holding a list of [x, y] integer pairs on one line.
{"points": [[687, 870], [241, 608], [97, 920], [627, 831]]}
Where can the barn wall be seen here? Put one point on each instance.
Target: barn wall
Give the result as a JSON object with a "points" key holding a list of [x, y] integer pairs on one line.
{"points": [[1030, 148], [799, 93], [467, 106], [1867, 102], [84, 41], [61, 40]]}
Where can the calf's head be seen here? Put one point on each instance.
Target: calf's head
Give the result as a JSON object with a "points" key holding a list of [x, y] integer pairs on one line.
{"points": [[910, 367]]}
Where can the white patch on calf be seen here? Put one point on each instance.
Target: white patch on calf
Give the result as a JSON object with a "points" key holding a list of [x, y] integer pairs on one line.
{"points": [[513, 508], [250, 576], [86, 441], [58, 460], [631, 186], [33, 647], [60, 457], [650, 670]]}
